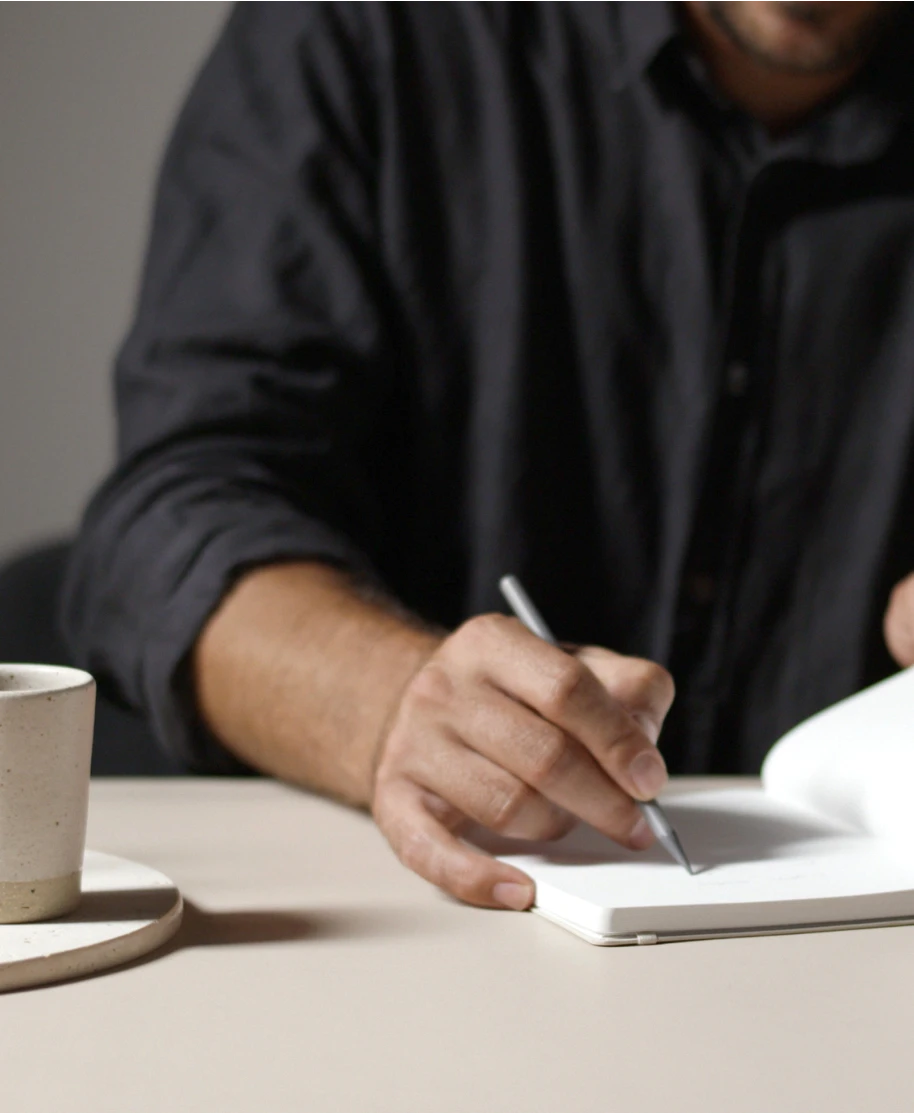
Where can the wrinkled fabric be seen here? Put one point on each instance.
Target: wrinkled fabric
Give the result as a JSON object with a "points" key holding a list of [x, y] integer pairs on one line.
{"points": [[436, 292]]}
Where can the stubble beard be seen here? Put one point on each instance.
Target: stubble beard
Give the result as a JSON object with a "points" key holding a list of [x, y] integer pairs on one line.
{"points": [[832, 56]]}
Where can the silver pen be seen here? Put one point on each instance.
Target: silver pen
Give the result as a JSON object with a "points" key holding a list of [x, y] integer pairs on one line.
{"points": [[522, 605]]}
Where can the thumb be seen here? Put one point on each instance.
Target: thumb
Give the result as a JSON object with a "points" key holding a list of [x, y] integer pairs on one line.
{"points": [[898, 623]]}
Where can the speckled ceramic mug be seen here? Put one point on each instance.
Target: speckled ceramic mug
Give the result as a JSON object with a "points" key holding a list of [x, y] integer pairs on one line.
{"points": [[46, 718]]}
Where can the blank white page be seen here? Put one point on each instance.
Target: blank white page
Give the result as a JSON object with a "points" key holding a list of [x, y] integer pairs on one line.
{"points": [[762, 863], [854, 761]]}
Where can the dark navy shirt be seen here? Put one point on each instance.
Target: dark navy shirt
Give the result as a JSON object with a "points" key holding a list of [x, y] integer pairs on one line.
{"points": [[437, 292]]}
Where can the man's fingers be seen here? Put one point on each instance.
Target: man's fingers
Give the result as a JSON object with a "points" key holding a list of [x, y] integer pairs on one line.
{"points": [[505, 729], [563, 691], [898, 624], [424, 844], [486, 792], [547, 765]]}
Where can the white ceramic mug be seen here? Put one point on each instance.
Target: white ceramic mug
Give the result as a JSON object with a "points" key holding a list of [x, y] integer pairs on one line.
{"points": [[46, 718]]}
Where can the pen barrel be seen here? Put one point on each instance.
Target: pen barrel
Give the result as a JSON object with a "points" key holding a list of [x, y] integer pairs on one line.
{"points": [[656, 819], [523, 606]]}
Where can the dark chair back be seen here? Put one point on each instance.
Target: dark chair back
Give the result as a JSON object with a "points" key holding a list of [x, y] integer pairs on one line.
{"points": [[30, 586]]}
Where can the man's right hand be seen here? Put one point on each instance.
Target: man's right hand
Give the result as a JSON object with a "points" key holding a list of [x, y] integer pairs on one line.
{"points": [[506, 730]]}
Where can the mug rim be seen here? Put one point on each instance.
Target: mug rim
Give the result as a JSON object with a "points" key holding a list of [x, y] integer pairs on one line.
{"points": [[68, 679]]}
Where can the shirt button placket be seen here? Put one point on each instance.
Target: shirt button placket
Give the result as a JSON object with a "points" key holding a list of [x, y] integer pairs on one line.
{"points": [[701, 589], [736, 380]]}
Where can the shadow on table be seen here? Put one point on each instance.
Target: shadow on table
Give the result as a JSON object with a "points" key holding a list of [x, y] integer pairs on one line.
{"points": [[203, 928]]}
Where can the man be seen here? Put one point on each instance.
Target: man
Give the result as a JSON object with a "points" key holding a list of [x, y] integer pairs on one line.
{"points": [[619, 298]]}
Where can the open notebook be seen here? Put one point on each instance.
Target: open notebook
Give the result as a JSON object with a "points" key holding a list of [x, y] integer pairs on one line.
{"points": [[827, 841]]}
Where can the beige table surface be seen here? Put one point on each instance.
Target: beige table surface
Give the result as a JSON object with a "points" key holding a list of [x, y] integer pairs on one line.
{"points": [[314, 973]]}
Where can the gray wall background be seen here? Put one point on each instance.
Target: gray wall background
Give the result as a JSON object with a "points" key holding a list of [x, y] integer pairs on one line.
{"points": [[87, 95]]}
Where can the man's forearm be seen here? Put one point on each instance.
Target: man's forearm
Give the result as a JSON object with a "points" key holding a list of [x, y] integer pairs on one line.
{"points": [[297, 674]]}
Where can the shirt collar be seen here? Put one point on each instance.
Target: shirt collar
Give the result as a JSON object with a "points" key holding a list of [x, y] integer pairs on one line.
{"points": [[865, 121], [857, 129], [644, 30]]}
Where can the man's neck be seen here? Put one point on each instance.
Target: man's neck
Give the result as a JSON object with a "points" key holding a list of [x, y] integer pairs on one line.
{"points": [[779, 100]]}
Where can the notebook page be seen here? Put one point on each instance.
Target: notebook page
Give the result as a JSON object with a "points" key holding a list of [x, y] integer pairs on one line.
{"points": [[760, 863], [854, 761]]}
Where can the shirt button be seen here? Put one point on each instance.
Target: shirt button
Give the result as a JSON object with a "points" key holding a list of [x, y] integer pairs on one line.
{"points": [[701, 589], [737, 379]]}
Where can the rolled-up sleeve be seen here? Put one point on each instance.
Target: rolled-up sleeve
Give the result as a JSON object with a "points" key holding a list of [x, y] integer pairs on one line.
{"points": [[249, 387]]}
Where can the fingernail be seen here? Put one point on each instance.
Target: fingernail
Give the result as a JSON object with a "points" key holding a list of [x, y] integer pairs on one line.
{"points": [[511, 894], [648, 773], [640, 837]]}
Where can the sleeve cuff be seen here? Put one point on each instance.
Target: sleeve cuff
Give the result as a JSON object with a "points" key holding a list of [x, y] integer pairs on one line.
{"points": [[166, 675]]}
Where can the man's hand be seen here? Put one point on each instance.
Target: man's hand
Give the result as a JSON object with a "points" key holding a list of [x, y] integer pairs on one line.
{"points": [[898, 624], [501, 728], [297, 672]]}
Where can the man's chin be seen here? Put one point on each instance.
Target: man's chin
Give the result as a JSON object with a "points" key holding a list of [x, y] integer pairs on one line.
{"points": [[803, 38]]}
